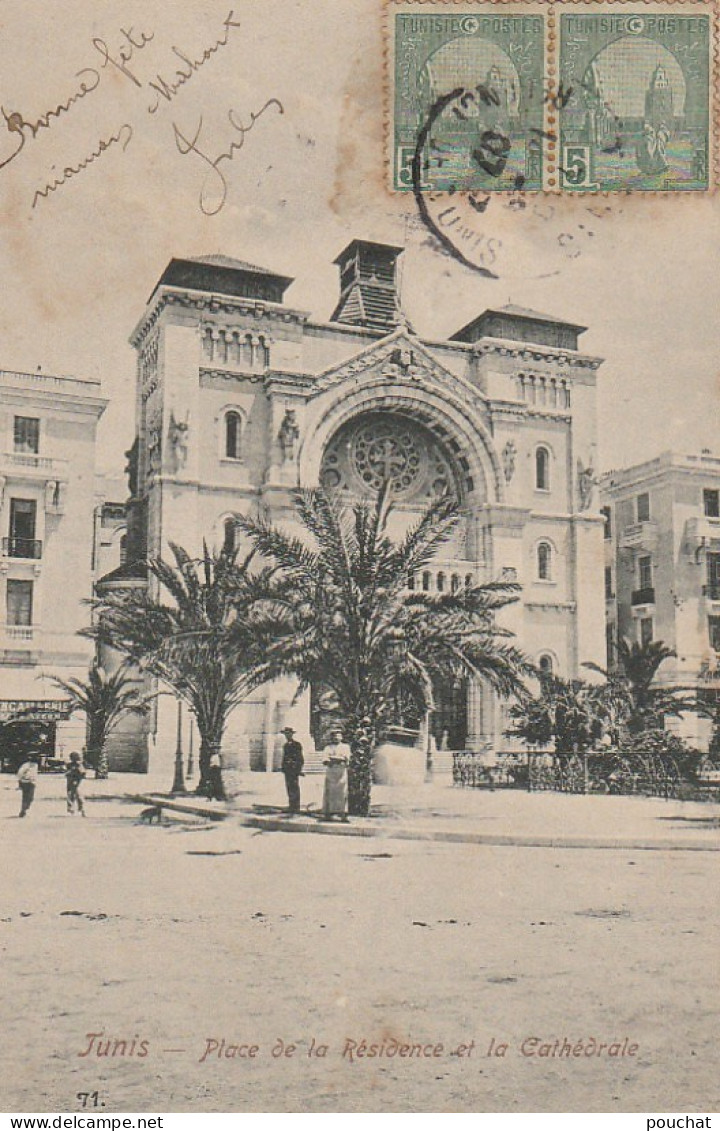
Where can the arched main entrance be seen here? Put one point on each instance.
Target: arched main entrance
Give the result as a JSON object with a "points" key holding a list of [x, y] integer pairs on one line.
{"points": [[421, 465]]}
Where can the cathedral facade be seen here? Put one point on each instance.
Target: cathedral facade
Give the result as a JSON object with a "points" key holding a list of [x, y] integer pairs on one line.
{"points": [[242, 398]]}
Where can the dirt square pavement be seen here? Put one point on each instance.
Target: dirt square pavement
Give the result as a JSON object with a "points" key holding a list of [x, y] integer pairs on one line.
{"points": [[132, 952]]}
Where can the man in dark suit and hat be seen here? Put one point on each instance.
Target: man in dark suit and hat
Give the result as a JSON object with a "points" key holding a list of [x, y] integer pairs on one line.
{"points": [[292, 766]]}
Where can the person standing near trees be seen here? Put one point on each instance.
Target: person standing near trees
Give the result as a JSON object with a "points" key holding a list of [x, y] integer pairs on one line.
{"points": [[27, 777], [216, 787], [292, 767], [74, 776], [336, 760]]}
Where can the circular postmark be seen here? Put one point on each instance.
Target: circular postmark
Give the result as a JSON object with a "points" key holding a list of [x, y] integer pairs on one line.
{"points": [[476, 252], [484, 228]]}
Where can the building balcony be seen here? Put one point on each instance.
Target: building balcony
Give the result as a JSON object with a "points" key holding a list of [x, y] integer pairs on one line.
{"points": [[639, 536], [712, 591], [19, 645], [644, 596], [18, 634], [28, 548], [703, 529], [30, 465]]}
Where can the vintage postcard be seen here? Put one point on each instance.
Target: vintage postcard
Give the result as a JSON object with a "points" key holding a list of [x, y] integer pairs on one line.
{"points": [[359, 558]]}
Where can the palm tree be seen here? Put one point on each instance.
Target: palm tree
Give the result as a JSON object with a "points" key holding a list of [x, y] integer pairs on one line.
{"points": [[346, 623], [569, 713], [104, 699], [183, 640], [637, 703]]}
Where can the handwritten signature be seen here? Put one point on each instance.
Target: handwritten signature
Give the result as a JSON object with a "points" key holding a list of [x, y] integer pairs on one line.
{"points": [[214, 189]]}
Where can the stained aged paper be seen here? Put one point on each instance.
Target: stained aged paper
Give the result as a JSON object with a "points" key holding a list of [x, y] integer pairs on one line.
{"points": [[550, 157]]}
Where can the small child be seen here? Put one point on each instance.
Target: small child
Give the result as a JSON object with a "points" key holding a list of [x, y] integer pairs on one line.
{"points": [[74, 776]]}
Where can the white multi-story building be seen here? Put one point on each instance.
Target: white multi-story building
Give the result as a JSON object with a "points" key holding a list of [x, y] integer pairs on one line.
{"points": [[242, 398], [47, 514], [662, 568]]}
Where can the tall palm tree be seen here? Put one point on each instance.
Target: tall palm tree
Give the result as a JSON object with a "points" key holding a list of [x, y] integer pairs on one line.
{"points": [[346, 623], [177, 629], [104, 699]]}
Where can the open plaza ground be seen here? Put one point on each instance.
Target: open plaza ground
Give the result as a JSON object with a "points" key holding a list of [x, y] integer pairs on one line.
{"points": [[167, 941]]}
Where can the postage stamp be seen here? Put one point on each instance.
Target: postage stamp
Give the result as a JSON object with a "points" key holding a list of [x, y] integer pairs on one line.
{"points": [[469, 88], [635, 98], [568, 96]]}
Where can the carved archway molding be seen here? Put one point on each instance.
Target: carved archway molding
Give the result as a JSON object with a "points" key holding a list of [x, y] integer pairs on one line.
{"points": [[466, 440]]}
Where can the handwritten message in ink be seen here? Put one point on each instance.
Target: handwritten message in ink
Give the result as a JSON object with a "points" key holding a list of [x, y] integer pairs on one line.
{"points": [[130, 55]]}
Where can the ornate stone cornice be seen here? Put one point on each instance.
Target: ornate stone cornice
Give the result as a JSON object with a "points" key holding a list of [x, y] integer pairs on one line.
{"points": [[529, 351], [215, 304], [552, 606], [289, 381], [236, 375], [506, 410]]}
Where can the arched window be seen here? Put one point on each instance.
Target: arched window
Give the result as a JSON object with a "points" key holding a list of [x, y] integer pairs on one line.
{"points": [[123, 549], [233, 435], [229, 535], [454, 583], [469, 582], [440, 583], [411, 581], [426, 580], [545, 664], [542, 469], [544, 562]]}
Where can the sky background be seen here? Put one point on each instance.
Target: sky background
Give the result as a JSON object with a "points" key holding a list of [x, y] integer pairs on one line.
{"points": [[77, 268]]}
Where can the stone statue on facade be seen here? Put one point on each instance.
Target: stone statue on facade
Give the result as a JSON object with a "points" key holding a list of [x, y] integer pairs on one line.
{"points": [[52, 494], [178, 437], [289, 435], [154, 445], [509, 453], [586, 484]]}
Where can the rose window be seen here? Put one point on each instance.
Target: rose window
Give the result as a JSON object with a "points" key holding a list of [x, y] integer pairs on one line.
{"points": [[383, 452], [378, 448]]}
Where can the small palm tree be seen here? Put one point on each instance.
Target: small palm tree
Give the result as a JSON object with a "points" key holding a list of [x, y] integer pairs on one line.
{"points": [[638, 704], [569, 713], [104, 699], [177, 629], [341, 618]]}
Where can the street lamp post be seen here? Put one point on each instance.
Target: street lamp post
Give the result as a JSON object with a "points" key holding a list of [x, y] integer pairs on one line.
{"points": [[178, 785], [190, 762]]}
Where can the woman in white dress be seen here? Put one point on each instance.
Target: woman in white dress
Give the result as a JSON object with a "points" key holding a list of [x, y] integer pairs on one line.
{"points": [[336, 761]]}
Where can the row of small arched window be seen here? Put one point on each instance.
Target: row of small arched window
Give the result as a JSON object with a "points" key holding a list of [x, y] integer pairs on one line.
{"points": [[231, 347], [442, 582], [544, 391]]}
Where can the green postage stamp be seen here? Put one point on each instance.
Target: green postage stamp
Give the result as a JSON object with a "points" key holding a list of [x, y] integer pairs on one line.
{"points": [[568, 96], [635, 98], [468, 96]]}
